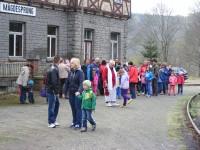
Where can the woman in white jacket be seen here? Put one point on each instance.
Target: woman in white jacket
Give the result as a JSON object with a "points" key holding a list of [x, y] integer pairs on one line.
{"points": [[22, 81], [124, 85]]}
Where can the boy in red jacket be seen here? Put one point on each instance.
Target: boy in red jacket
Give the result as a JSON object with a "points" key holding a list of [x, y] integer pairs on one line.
{"points": [[180, 82]]}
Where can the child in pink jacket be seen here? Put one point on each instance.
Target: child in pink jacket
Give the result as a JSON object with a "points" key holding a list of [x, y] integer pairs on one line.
{"points": [[172, 84], [95, 81]]}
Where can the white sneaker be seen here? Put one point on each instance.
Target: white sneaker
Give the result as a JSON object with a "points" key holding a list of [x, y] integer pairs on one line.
{"points": [[130, 101], [57, 124], [109, 105], [52, 125], [115, 104]]}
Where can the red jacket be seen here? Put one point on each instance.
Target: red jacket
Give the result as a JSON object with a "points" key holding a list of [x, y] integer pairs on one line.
{"points": [[133, 74], [180, 79]]}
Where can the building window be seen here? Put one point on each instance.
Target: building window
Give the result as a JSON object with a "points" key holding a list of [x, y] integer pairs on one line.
{"points": [[52, 41], [115, 45], [118, 1], [88, 43], [16, 39]]}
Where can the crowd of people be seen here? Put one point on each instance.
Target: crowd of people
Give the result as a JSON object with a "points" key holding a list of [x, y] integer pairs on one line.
{"points": [[82, 83]]}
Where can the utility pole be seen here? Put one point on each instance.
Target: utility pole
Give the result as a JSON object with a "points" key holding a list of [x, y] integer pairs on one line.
{"points": [[81, 48]]}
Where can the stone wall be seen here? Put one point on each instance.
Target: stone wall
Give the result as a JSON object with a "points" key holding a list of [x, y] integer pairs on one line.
{"points": [[69, 35]]}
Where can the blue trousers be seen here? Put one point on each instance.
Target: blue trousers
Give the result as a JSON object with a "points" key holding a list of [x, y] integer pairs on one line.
{"points": [[133, 90], [87, 115], [149, 87], [22, 97], [75, 104], [53, 107], [118, 91]]}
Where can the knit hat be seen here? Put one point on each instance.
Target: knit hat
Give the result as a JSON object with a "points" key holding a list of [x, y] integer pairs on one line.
{"points": [[87, 83]]}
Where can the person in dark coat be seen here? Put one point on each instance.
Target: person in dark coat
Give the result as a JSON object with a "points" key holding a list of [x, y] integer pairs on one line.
{"points": [[53, 88], [74, 86]]}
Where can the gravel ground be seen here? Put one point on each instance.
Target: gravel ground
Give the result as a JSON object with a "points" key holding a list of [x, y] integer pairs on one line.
{"points": [[142, 125]]}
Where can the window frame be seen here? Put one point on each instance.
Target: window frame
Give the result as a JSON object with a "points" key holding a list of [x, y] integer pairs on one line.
{"points": [[56, 43], [112, 44], [15, 35], [88, 40]]}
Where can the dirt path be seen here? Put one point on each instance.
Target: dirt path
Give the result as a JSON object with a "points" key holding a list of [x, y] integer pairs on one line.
{"points": [[141, 126]]}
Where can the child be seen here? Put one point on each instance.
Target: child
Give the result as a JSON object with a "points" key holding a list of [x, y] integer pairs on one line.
{"points": [[143, 83], [88, 105], [172, 84], [148, 79], [124, 85], [180, 82], [95, 81], [118, 90], [30, 91]]}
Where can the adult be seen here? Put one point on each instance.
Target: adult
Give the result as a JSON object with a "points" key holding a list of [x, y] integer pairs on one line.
{"points": [[164, 76], [85, 67], [22, 81], [155, 71], [53, 87], [109, 83], [133, 79], [101, 72], [74, 87], [63, 74]]}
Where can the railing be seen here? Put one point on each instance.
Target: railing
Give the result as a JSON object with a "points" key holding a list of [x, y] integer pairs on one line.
{"points": [[11, 69]]}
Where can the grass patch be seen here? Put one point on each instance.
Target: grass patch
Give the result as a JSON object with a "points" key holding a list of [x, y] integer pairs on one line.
{"points": [[176, 122], [195, 107], [9, 100]]}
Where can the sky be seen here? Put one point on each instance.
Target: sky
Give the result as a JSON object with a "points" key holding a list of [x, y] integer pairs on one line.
{"points": [[179, 7]]}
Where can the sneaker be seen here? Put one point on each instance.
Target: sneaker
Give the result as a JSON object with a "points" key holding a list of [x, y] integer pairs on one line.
{"points": [[71, 126], [52, 125], [109, 105], [57, 124], [93, 127], [122, 106], [115, 104], [83, 129], [130, 101], [77, 127]]}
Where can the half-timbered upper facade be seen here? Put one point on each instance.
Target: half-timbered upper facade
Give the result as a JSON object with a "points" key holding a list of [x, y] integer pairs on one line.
{"points": [[37, 30], [111, 8]]}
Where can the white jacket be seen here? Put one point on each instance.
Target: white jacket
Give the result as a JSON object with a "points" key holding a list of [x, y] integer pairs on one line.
{"points": [[63, 70], [23, 76], [124, 81]]}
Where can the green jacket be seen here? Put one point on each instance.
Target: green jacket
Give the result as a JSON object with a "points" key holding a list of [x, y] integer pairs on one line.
{"points": [[88, 99]]}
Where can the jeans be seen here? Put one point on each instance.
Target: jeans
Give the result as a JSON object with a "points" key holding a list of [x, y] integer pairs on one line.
{"points": [[144, 88], [180, 88], [132, 90], [124, 93], [149, 88], [53, 107], [22, 97], [155, 86], [31, 97], [87, 115], [75, 104], [164, 86], [160, 87], [118, 91]]}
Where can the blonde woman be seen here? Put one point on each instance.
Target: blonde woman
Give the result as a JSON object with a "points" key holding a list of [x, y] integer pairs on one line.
{"points": [[74, 87]]}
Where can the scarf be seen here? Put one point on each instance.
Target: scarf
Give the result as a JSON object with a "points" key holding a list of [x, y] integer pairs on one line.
{"points": [[110, 84]]}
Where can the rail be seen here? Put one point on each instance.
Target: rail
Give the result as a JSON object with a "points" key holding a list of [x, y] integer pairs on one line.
{"points": [[189, 115]]}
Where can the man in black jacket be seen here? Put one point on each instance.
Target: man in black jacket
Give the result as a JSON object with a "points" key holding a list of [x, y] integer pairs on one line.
{"points": [[53, 85]]}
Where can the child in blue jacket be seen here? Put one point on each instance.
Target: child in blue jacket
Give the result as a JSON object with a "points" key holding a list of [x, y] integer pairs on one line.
{"points": [[148, 78]]}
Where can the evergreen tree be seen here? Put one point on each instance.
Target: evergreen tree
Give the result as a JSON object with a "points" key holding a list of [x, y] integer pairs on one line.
{"points": [[151, 50]]}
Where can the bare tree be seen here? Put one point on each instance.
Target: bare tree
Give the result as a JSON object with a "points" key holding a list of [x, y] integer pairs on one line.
{"points": [[162, 26], [192, 38]]}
